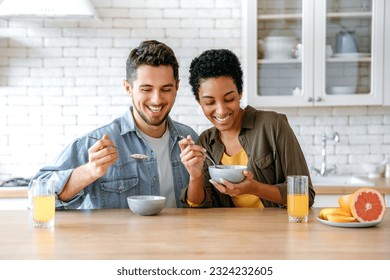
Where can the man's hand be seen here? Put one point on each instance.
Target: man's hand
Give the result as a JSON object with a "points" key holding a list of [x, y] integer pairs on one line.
{"points": [[101, 156]]}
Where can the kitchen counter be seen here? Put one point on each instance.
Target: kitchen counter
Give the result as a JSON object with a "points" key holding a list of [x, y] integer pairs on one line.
{"points": [[13, 192], [187, 234], [381, 184]]}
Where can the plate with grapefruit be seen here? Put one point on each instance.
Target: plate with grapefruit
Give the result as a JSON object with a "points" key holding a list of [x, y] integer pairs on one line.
{"points": [[363, 208], [348, 224]]}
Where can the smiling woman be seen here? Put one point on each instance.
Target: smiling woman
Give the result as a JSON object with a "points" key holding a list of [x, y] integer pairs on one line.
{"points": [[261, 140]]}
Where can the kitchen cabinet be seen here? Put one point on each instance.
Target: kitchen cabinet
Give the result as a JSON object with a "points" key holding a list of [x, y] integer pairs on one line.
{"points": [[13, 198], [298, 53], [327, 196], [13, 204], [386, 90], [331, 200]]}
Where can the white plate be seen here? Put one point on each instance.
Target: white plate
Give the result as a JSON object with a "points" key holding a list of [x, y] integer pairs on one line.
{"points": [[351, 55], [348, 225]]}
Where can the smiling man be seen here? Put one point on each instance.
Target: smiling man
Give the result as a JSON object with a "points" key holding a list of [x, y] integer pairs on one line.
{"points": [[101, 173]]}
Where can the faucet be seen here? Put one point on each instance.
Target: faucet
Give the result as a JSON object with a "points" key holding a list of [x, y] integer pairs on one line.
{"points": [[324, 171]]}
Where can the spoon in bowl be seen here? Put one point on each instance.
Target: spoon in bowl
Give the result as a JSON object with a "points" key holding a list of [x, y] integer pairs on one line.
{"points": [[135, 156]]}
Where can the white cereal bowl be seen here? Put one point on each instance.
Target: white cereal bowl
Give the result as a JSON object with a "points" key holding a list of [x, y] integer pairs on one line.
{"points": [[146, 205], [231, 173]]}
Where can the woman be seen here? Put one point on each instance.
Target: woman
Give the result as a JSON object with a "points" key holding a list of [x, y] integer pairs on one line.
{"points": [[264, 141]]}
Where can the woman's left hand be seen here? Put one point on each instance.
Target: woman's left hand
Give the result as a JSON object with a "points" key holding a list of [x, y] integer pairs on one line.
{"points": [[244, 187]]}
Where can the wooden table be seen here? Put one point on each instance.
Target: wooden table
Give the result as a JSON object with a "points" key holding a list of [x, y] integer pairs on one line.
{"points": [[185, 234]]}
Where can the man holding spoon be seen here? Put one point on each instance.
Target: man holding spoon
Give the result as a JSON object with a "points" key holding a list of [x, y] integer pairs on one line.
{"points": [[98, 170]]}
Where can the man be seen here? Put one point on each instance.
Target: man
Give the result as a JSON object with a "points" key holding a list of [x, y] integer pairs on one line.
{"points": [[101, 173]]}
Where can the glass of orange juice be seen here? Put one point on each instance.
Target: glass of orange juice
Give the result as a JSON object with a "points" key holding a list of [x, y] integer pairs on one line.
{"points": [[298, 198], [43, 203]]}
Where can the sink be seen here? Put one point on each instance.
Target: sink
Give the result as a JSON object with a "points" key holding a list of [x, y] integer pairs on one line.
{"points": [[340, 181]]}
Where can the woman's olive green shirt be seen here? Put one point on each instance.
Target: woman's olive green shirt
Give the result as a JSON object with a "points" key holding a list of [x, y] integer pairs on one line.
{"points": [[273, 153]]}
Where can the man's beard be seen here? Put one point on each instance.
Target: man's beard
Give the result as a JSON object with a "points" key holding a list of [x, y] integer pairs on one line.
{"points": [[151, 122]]}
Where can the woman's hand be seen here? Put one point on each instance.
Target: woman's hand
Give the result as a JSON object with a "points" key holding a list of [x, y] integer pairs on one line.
{"points": [[244, 187], [192, 157]]}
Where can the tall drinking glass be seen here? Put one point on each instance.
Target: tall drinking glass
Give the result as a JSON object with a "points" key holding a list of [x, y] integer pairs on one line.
{"points": [[298, 198], [43, 203]]}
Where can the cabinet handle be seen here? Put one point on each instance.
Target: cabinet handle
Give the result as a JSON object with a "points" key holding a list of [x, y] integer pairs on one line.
{"points": [[318, 99], [309, 99]]}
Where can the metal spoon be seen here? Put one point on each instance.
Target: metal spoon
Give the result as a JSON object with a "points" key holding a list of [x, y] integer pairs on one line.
{"points": [[209, 157], [135, 156]]}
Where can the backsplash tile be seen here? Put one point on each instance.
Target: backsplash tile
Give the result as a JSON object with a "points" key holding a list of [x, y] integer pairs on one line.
{"points": [[62, 78]]}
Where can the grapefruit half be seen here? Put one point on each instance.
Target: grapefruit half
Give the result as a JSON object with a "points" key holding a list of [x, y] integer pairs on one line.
{"points": [[368, 205]]}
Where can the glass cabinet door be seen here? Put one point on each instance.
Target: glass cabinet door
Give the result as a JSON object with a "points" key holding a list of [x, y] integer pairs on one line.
{"points": [[280, 48], [282, 74], [313, 53], [350, 48]]}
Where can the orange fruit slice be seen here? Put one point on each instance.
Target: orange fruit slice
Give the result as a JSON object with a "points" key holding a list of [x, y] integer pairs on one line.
{"points": [[367, 205], [340, 218], [345, 202], [325, 212]]}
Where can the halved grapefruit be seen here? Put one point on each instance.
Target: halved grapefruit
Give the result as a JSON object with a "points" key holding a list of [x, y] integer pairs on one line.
{"points": [[367, 205]]}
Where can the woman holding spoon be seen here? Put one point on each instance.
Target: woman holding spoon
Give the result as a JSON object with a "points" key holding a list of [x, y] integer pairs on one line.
{"points": [[264, 141]]}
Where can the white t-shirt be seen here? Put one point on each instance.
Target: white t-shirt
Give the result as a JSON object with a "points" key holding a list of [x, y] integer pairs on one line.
{"points": [[160, 147]]}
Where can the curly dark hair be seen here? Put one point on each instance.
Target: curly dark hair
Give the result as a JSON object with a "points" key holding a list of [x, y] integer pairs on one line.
{"points": [[213, 64], [153, 53]]}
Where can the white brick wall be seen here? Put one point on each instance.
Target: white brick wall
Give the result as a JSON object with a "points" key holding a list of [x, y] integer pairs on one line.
{"points": [[61, 78]]}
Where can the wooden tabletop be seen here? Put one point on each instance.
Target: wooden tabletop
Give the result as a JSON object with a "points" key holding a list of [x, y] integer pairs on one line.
{"points": [[219, 233]]}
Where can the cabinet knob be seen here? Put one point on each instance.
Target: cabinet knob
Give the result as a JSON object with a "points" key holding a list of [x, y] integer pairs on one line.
{"points": [[318, 99], [309, 99]]}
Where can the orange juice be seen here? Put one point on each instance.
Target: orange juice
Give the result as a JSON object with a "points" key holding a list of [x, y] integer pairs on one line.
{"points": [[43, 208], [298, 205]]}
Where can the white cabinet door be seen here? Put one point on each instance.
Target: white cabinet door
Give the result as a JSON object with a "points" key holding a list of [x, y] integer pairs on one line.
{"points": [[13, 203], [273, 74], [277, 75], [386, 75], [353, 74], [331, 200]]}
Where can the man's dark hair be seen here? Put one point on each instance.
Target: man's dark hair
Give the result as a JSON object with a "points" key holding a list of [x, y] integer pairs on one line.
{"points": [[151, 53], [213, 64]]}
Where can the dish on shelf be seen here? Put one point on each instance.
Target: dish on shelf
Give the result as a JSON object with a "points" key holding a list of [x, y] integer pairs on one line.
{"points": [[351, 55], [277, 47], [341, 90], [348, 225]]}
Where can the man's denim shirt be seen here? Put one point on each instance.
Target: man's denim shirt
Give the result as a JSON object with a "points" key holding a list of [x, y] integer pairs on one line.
{"points": [[127, 176]]}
